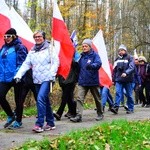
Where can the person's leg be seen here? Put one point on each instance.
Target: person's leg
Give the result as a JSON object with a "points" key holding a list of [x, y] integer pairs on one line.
{"points": [[32, 88], [147, 93], [96, 95], [42, 102], [136, 91], [82, 91], [70, 100], [141, 95], [19, 101], [104, 96], [4, 88], [129, 94], [64, 97]]}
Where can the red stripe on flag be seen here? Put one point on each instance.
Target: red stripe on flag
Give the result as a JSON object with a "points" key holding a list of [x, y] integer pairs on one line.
{"points": [[66, 51], [4, 26]]}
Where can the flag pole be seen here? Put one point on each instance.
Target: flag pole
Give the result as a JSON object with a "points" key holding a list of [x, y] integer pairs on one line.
{"points": [[50, 52]]}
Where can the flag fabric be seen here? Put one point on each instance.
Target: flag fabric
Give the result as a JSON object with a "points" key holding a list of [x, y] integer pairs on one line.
{"points": [[9, 18], [74, 38], [62, 42], [98, 45], [135, 54]]}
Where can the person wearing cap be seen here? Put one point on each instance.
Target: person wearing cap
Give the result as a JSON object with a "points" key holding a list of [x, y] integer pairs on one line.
{"points": [[44, 61], [145, 82], [122, 77], [89, 64], [12, 55]]}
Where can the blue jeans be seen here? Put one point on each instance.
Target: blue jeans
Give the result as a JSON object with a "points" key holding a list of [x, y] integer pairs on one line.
{"points": [[106, 97], [43, 104], [119, 94]]}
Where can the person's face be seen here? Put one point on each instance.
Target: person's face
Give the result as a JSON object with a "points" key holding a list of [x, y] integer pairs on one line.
{"points": [[86, 48], [136, 61], [122, 52], [38, 38], [8, 38], [141, 62]]}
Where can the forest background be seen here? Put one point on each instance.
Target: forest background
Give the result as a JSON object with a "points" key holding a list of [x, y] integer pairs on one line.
{"points": [[122, 21]]}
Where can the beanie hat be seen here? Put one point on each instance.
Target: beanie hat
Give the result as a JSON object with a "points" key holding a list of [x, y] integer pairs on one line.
{"points": [[142, 58], [87, 41], [11, 31], [122, 46]]}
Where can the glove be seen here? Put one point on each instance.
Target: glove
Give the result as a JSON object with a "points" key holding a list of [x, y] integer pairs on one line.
{"points": [[17, 80], [89, 67]]}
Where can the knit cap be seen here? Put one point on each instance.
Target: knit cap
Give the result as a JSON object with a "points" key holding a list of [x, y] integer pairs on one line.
{"points": [[122, 46], [11, 31], [142, 58], [87, 41]]}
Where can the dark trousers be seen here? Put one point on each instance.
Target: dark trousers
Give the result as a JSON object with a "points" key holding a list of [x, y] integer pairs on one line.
{"points": [[25, 89], [145, 98], [67, 98], [4, 88]]}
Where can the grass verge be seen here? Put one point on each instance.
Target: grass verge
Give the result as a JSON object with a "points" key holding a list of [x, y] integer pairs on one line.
{"points": [[117, 135]]}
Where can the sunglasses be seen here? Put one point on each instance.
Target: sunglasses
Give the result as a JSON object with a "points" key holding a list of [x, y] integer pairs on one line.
{"points": [[7, 36]]}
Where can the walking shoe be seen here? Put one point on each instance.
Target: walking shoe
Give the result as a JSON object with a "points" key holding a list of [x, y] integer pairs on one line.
{"points": [[77, 118], [114, 110], [67, 114], [37, 129], [9, 121], [129, 112], [56, 116], [125, 107], [48, 127], [147, 106], [15, 125], [99, 117]]}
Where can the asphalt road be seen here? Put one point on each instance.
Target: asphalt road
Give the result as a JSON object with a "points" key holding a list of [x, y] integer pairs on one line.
{"points": [[12, 138]]}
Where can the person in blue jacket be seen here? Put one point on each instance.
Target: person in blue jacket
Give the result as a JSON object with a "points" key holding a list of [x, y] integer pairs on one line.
{"points": [[89, 64], [12, 55], [123, 75]]}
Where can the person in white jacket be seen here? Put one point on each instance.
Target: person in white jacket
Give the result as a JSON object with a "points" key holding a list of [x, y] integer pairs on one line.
{"points": [[44, 61]]}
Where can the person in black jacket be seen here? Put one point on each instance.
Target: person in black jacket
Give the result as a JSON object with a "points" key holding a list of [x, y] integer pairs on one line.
{"points": [[68, 86], [123, 74]]}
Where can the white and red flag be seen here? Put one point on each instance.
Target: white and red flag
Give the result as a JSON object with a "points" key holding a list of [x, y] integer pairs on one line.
{"points": [[9, 18], [98, 45], [62, 42]]}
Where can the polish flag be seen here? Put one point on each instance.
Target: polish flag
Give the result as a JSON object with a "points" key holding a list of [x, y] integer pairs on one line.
{"points": [[62, 42], [105, 77], [9, 18]]}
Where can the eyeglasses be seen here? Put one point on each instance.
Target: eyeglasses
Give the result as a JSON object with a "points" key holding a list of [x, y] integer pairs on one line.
{"points": [[35, 37], [7, 36]]}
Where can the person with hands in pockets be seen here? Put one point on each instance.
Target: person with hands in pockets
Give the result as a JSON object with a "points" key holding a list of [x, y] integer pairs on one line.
{"points": [[44, 63], [89, 64]]}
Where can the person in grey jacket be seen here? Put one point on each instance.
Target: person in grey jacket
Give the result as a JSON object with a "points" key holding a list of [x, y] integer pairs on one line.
{"points": [[44, 63]]}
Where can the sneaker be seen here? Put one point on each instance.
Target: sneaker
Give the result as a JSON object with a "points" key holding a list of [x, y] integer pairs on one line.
{"points": [[125, 107], [99, 117], [48, 127], [9, 121], [129, 112], [56, 116], [114, 110], [147, 106], [67, 114], [77, 118], [15, 125], [37, 129]]}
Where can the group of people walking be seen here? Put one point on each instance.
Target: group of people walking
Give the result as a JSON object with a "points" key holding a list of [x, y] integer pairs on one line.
{"points": [[39, 67]]}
